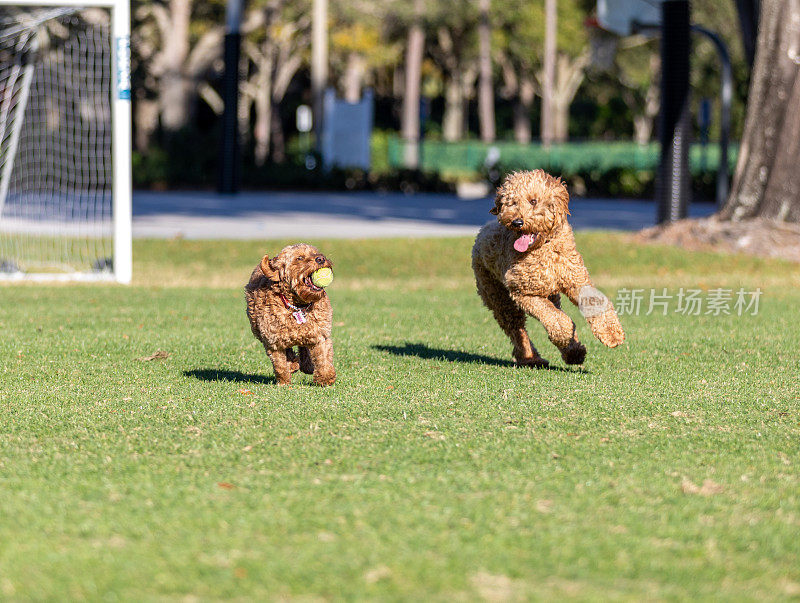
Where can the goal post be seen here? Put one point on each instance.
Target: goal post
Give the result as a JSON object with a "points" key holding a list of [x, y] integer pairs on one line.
{"points": [[65, 140]]}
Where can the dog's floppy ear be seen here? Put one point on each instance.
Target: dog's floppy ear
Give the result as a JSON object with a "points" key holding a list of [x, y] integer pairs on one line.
{"points": [[561, 195], [496, 209], [267, 268]]}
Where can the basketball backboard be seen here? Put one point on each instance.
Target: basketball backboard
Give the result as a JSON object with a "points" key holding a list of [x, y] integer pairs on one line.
{"points": [[623, 16]]}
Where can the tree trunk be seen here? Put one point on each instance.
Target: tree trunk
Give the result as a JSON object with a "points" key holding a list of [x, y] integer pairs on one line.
{"points": [[263, 110], [353, 78], [411, 97], [246, 97], [146, 122], [644, 114], [486, 89], [560, 111], [319, 65], [175, 100], [549, 70], [767, 181], [174, 87], [454, 114], [642, 129], [569, 77], [261, 131], [643, 123], [278, 141], [522, 111], [243, 118]]}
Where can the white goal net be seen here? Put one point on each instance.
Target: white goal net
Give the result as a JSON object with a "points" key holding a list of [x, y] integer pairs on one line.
{"points": [[59, 202]]}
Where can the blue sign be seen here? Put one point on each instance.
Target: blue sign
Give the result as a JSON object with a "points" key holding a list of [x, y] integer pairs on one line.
{"points": [[124, 68]]}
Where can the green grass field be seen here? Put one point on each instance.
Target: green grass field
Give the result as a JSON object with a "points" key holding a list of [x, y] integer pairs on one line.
{"points": [[665, 469]]}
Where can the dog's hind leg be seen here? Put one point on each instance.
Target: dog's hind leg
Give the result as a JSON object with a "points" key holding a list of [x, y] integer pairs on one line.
{"points": [[291, 357], [560, 328], [306, 364], [508, 315]]}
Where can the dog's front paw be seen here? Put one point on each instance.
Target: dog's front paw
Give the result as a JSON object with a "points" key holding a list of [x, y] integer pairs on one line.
{"points": [[574, 353], [613, 337], [608, 330]]}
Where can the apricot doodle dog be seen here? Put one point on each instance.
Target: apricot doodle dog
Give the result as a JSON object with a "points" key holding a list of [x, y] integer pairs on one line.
{"points": [[286, 309], [525, 260]]}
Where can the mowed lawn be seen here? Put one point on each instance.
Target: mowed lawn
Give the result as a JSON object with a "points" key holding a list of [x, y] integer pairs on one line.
{"points": [[668, 468]]}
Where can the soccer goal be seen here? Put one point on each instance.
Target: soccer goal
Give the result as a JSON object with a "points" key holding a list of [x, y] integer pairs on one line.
{"points": [[65, 140]]}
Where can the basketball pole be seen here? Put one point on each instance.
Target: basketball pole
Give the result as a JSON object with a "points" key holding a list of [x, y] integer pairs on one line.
{"points": [[673, 183], [725, 100], [229, 149]]}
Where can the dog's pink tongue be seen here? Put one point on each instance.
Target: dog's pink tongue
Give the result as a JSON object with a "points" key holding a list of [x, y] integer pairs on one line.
{"points": [[522, 243]]}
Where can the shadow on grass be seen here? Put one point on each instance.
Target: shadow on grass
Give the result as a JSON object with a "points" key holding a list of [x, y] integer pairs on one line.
{"points": [[234, 376], [420, 350]]}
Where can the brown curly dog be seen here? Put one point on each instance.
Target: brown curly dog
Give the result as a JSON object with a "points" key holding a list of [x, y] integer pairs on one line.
{"points": [[286, 309], [525, 260]]}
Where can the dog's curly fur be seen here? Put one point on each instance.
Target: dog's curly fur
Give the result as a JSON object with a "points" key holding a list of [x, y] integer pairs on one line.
{"points": [[515, 283], [288, 274]]}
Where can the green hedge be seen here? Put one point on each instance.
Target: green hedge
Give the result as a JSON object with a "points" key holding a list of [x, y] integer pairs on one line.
{"points": [[608, 169], [467, 158]]}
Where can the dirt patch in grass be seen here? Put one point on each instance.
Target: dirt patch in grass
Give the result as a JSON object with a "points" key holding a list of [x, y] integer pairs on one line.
{"points": [[765, 238]]}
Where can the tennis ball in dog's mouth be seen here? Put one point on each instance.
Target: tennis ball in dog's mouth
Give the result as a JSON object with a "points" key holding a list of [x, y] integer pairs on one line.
{"points": [[322, 277]]}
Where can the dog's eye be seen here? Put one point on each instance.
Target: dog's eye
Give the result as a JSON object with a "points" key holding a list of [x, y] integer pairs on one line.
{"points": [[534, 201]]}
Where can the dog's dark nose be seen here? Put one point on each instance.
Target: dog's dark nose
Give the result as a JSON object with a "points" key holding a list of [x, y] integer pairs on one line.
{"points": [[320, 259], [517, 223]]}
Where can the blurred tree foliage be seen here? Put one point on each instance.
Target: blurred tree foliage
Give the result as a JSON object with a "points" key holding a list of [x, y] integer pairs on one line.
{"points": [[519, 49], [606, 88], [364, 47]]}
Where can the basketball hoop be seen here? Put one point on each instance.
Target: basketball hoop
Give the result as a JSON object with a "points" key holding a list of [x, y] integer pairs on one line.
{"points": [[629, 17], [603, 45]]}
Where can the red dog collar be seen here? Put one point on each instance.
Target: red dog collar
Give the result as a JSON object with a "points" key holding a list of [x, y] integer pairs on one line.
{"points": [[290, 306]]}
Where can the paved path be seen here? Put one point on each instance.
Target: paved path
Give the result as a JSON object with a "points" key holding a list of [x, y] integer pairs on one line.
{"points": [[273, 215]]}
